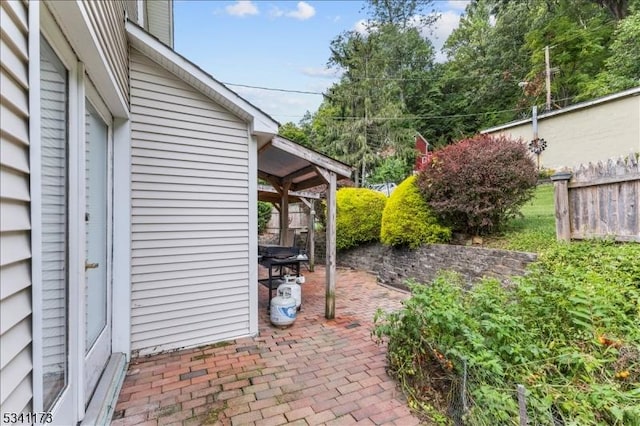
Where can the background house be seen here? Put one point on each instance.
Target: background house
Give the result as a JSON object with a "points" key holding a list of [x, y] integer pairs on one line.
{"points": [[422, 153], [586, 132]]}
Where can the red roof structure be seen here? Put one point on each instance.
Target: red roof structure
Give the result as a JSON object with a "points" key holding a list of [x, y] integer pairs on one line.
{"points": [[422, 148]]}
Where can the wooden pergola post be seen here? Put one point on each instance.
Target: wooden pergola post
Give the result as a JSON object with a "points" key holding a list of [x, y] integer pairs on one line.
{"points": [[330, 288], [331, 179], [561, 204]]}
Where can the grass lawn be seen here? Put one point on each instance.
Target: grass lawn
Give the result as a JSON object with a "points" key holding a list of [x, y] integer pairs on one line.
{"points": [[535, 230]]}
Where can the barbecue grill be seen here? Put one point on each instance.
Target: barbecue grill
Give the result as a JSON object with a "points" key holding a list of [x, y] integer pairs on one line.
{"points": [[280, 261]]}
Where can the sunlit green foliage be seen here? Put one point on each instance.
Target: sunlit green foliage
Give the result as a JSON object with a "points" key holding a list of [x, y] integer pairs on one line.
{"points": [[358, 216], [407, 219], [568, 331], [264, 215]]}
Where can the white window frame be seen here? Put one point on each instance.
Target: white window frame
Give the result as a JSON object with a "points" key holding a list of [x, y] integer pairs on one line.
{"points": [[49, 30]]}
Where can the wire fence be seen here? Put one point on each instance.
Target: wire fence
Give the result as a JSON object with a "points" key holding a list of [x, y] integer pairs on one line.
{"points": [[529, 409]]}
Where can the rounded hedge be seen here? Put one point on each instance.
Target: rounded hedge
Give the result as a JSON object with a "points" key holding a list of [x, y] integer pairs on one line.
{"points": [[477, 184], [358, 216], [408, 221]]}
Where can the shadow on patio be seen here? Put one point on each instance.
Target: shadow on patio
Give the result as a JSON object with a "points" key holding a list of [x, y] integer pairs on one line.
{"points": [[316, 371]]}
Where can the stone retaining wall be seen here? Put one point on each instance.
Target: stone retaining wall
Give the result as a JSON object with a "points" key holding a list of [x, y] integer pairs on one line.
{"points": [[394, 266]]}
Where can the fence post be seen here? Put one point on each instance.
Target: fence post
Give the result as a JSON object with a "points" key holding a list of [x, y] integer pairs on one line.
{"points": [[522, 406], [561, 203], [463, 393]]}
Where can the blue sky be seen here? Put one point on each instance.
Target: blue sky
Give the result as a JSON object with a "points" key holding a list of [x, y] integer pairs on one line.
{"points": [[277, 44]]}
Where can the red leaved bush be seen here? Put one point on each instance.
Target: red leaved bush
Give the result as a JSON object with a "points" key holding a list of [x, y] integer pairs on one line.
{"points": [[478, 183]]}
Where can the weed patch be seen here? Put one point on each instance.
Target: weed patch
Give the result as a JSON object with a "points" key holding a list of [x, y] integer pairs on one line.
{"points": [[568, 331]]}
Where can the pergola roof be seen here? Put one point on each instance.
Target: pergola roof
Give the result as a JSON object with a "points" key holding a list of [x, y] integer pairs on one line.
{"points": [[281, 160], [271, 195], [292, 167]]}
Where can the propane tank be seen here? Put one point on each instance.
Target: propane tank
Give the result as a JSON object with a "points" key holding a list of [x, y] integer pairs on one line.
{"points": [[283, 308], [290, 282]]}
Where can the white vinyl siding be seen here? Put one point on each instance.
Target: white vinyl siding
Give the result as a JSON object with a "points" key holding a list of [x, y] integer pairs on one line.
{"points": [[159, 20], [15, 250], [190, 215], [107, 18]]}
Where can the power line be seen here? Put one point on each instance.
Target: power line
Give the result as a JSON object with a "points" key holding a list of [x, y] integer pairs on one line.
{"points": [[274, 89], [308, 92], [426, 117]]}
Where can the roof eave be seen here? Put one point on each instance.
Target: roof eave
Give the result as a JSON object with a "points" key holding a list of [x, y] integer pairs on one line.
{"points": [[614, 96], [313, 157]]}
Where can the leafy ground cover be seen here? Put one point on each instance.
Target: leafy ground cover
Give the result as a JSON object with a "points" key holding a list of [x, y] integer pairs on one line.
{"points": [[568, 331]]}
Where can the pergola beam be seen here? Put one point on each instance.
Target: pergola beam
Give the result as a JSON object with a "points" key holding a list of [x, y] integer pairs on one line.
{"points": [[273, 180], [309, 183], [303, 171]]}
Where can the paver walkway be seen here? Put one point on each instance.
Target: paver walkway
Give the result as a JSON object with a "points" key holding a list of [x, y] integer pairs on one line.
{"points": [[316, 372]]}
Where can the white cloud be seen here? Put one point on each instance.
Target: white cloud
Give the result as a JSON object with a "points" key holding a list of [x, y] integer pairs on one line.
{"points": [[303, 12], [448, 22], [242, 8], [442, 29], [361, 27]]}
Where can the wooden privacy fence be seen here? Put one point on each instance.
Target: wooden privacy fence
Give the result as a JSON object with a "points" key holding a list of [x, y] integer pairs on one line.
{"points": [[599, 201]]}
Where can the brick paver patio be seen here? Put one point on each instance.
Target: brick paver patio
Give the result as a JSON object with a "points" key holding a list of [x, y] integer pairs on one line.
{"points": [[315, 372]]}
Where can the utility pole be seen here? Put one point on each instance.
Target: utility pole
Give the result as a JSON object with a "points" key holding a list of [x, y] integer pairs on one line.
{"points": [[547, 76]]}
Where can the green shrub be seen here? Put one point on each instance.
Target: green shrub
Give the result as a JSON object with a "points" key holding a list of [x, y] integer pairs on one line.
{"points": [[358, 216], [407, 219], [568, 331], [478, 183], [545, 174], [264, 215]]}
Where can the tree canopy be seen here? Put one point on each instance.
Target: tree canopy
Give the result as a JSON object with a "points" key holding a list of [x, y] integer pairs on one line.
{"points": [[392, 87]]}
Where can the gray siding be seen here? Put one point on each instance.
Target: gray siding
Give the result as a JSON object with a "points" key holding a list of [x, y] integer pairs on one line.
{"points": [[159, 20], [590, 134], [107, 18], [190, 224], [15, 251]]}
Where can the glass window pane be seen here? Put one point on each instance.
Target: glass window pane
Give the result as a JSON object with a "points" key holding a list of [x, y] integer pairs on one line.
{"points": [[54, 123], [96, 226]]}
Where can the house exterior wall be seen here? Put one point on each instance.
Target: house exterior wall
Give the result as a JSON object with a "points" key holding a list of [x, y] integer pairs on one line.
{"points": [[589, 134], [107, 18], [190, 215], [15, 251], [159, 20]]}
